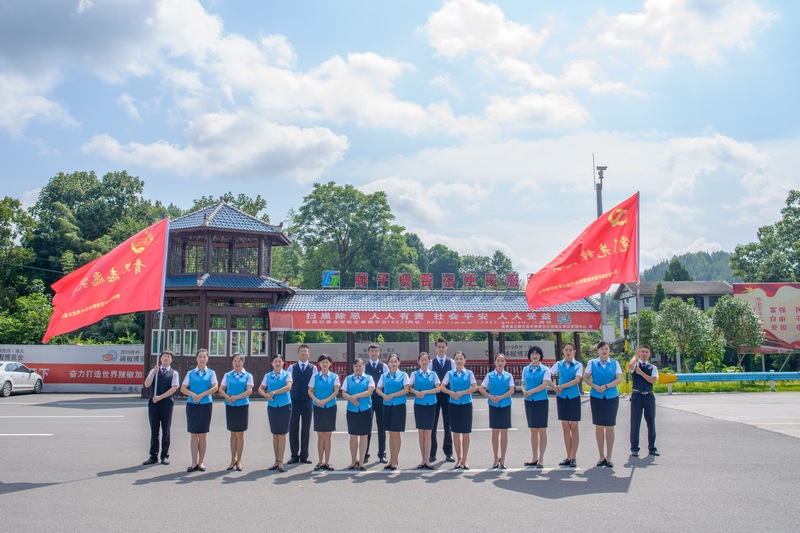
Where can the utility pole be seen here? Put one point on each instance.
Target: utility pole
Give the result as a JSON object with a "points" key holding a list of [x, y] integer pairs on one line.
{"points": [[598, 187]]}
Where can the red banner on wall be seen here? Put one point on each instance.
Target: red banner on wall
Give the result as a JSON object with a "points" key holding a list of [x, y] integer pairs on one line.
{"points": [[432, 321], [778, 305]]}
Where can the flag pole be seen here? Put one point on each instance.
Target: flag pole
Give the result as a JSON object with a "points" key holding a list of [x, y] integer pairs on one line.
{"points": [[163, 291], [638, 266]]}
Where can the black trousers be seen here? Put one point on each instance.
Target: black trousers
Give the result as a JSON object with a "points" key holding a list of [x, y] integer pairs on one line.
{"points": [[377, 408], [300, 428], [160, 415], [643, 403], [443, 407]]}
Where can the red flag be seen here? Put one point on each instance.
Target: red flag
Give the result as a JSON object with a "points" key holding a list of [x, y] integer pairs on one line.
{"points": [[605, 253], [128, 278]]}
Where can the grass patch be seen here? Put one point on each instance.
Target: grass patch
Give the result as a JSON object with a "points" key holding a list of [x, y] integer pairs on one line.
{"points": [[725, 386]]}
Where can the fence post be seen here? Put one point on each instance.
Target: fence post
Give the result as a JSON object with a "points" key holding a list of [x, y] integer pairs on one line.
{"points": [[772, 383], [669, 388]]}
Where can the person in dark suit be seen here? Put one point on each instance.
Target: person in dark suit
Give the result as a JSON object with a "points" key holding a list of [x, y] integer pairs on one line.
{"points": [[302, 406], [643, 374], [441, 365], [162, 382], [374, 368]]}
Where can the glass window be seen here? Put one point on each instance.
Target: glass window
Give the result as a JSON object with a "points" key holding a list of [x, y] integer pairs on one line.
{"points": [[218, 342], [239, 342], [189, 341], [241, 322], [174, 321], [190, 321], [258, 322], [258, 346], [23, 368], [10, 367], [219, 322], [155, 345], [174, 341]]}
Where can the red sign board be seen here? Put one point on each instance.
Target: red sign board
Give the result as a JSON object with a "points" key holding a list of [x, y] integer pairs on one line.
{"points": [[383, 280], [362, 280], [448, 281], [425, 281], [491, 280], [405, 280], [778, 305], [432, 321], [512, 281]]}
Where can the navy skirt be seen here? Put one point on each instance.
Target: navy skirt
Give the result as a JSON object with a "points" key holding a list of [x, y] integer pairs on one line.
{"points": [[237, 417], [500, 417], [394, 417], [198, 417], [324, 419], [604, 411], [279, 418], [423, 415], [536, 412], [359, 423], [569, 409], [461, 417]]}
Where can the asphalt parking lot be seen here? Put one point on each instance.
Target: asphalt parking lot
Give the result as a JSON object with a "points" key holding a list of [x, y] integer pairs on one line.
{"points": [[729, 462]]}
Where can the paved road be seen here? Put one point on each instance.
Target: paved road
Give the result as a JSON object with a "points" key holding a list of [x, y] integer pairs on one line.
{"points": [[729, 463]]}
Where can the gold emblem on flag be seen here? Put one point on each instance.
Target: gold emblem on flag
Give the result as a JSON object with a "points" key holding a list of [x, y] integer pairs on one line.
{"points": [[139, 245], [615, 218]]}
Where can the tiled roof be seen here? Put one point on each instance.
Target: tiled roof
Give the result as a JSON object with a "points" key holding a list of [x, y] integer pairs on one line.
{"points": [[678, 288], [226, 281], [222, 216], [410, 300]]}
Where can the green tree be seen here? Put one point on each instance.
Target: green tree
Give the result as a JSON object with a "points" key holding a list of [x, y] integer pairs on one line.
{"points": [[413, 241], [15, 225], [26, 322], [683, 329], [479, 265], [740, 325], [643, 324], [658, 297], [443, 260], [337, 225], [255, 207], [676, 271], [776, 255], [77, 213], [501, 264]]}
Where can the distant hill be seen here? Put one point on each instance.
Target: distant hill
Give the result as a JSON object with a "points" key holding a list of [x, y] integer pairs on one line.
{"points": [[702, 266]]}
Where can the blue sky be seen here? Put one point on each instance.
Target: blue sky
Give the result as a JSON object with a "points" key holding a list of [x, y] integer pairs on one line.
{"points": [[479, 120]]}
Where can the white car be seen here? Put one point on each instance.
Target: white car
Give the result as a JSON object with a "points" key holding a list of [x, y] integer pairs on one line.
{"points": [[16, 377]]}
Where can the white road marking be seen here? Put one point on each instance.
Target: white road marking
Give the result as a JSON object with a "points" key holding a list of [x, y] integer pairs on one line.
{"points": [[26, 434], [62, 416]]}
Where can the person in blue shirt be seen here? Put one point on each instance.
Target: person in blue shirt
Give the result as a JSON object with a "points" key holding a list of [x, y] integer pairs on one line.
{"points": [[603, 374], [535, 381], [459, 384], [569, 373], [323, 389], [357, 390], [198, 386], [162, 382], [425, 387], [393, 388], [235, 389], [275, 388], [498, 386]]}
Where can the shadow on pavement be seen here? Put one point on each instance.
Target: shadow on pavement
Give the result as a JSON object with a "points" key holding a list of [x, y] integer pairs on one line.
{"points": [[557, 484]]}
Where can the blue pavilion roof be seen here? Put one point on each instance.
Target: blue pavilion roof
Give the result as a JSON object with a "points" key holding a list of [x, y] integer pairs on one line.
{"points": [[226, 281], [418, 300], [222, 216]]}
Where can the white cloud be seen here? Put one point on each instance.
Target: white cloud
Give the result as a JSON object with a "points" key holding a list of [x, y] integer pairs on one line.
{"points": [[669, 29], [224, 145], [435, 202], [25, 99], [84, 5], [128, 103], [279, 50], [464, 26], [537, 110]]}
